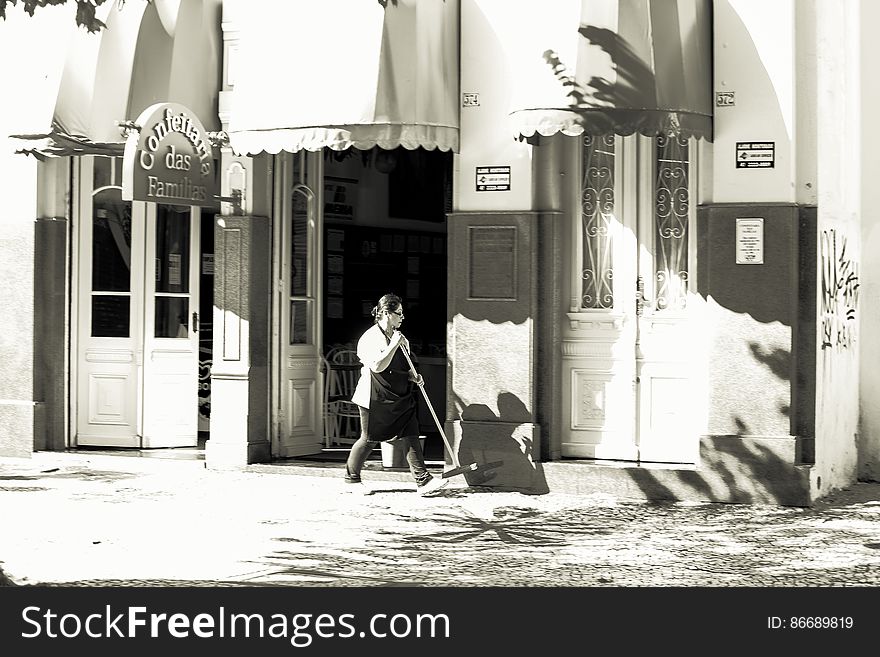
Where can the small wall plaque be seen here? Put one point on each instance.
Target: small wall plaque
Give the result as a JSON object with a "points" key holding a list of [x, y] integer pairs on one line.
{"points": [[755, 154], [493, 179], [492, 270], [470, 99], [724, 99], [750, 241]]}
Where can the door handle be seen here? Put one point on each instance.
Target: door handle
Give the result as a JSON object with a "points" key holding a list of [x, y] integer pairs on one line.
{"points": [[640, 296], [195, 322]]}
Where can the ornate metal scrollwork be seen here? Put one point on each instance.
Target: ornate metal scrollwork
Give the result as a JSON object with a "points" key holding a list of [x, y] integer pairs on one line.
{"points": [[597, 214], [672, 207]]}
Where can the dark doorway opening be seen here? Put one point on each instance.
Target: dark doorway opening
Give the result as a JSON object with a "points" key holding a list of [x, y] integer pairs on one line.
{"points": [[385, 231]]}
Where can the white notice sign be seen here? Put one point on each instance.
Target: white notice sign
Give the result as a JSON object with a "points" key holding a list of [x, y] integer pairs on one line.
{"points": [[755, 154], [493, 179], [750, 241]]}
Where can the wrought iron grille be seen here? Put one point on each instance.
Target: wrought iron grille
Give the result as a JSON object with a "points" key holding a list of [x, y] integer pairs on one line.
{"points": [[672, 204], [597, 215]]}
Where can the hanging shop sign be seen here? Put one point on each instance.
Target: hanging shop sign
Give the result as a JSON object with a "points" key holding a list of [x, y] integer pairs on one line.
{"points": [[169, 159]]}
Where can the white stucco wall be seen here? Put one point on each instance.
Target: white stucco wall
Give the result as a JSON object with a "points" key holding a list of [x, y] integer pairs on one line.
{"points": [[838, 158], [794, 68], [754, 59], [29, 77], [869, 292], [486, 138]]}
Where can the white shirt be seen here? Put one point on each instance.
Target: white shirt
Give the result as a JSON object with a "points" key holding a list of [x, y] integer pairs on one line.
{"points": [[369, 351]]}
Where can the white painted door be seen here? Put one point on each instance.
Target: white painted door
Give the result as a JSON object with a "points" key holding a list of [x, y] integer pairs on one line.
{"points": [[630, 350], [670, 393], [297, 397], [137, 346], [110, 269], [171, 323]]}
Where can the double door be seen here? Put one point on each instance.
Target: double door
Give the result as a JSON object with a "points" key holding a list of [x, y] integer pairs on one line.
{"points": [[631, 349], [137, 347]]}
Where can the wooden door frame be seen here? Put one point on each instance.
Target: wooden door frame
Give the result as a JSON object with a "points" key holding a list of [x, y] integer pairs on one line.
{"points": [[282, 187], [151, 344], [79, 332]]}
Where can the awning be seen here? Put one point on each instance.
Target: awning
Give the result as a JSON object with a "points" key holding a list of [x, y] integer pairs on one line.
{"points": [[161, 51], [311, 74], [610, 66]]}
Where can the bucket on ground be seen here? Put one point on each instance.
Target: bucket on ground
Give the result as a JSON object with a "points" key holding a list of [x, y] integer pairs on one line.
{"points": [[394, 453]]}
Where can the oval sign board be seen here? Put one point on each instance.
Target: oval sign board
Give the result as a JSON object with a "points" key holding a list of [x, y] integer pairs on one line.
{"points": [[170, 159]]}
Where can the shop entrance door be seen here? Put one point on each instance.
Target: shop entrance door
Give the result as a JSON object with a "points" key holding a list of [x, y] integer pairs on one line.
{"points": [[137, 310], [631, 352], [297, 393]]}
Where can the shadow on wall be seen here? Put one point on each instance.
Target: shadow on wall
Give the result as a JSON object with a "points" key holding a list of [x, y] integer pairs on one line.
{"points": [[735, 470], [740, 294], [778, 361], [502, 446], [636, 84], [636, 98]]}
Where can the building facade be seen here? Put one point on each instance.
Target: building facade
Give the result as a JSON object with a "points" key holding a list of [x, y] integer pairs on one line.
{"points": [[630, 236]]}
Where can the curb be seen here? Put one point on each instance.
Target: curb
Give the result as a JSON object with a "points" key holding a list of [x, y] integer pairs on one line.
{"points": [[4, 580]]}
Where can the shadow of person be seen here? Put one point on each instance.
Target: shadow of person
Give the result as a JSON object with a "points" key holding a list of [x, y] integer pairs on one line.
{"points": [[504, 446]]}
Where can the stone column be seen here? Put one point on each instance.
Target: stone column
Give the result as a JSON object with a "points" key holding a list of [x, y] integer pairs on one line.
{"points": [[240, 369], [493, 305], [21, 412], [761, 318], [51, 330]]}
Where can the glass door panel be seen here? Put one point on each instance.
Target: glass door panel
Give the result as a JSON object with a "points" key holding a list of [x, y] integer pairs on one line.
{"points": [[671, 223], [171, 348], [172, 276], [111, 264], [302, 208], [598, 216]]}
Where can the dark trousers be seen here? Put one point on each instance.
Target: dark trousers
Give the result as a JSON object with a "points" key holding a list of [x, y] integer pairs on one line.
{"points": [[363, 447]]}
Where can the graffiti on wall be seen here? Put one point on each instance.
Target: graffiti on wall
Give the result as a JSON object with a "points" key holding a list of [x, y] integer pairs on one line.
{"points": [[840, 292]]}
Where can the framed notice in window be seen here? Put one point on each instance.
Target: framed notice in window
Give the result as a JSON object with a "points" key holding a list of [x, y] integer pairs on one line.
{"points": [[340, 197], [336, 240]]}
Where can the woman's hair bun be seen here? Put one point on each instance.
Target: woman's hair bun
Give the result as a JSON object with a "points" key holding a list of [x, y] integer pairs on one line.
{"points": [[389, 302]]}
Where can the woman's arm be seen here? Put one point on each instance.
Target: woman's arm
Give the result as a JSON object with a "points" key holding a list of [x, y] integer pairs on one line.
{"points": [[375, 353]]}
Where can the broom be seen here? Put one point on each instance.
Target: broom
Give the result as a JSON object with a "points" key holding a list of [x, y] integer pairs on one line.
{"points": [[458, 469]]}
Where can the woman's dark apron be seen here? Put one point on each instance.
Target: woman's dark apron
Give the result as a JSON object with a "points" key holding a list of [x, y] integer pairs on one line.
{"points": [[393, 406]]}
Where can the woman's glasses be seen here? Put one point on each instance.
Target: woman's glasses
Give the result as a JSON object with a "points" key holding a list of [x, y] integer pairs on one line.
{"points": [[398, 313]]}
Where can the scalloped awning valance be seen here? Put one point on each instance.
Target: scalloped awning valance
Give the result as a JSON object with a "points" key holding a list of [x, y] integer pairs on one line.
{"points": [[342, 73], [610, 67]]}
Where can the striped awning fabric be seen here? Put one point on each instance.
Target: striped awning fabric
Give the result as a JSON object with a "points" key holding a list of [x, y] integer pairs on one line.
{"points": [[161, 51], [343, 73]]}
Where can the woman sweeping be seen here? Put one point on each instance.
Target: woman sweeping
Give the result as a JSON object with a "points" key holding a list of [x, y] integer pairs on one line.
{"points": [[385, 396]]}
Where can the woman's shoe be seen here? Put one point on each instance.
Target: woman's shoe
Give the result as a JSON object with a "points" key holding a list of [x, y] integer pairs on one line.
{"points": [[351, 478], [353, 483], [431, 485]]}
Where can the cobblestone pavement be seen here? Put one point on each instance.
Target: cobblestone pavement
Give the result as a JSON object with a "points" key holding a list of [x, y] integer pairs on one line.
{"points": [[87, 526]]}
